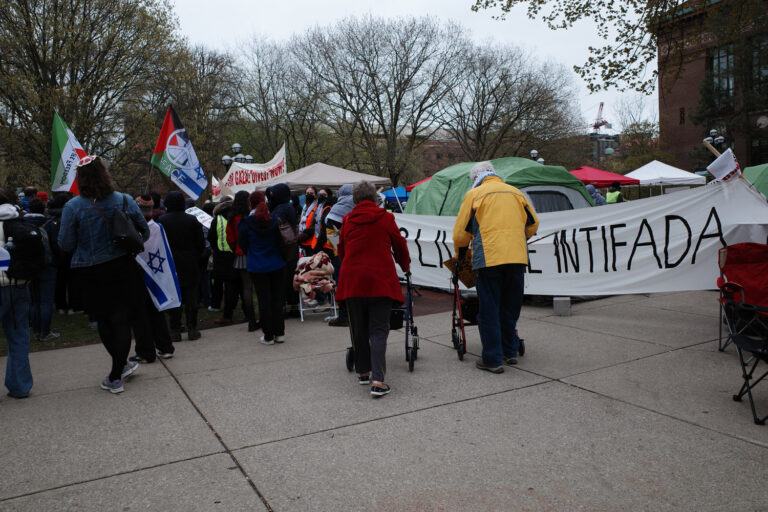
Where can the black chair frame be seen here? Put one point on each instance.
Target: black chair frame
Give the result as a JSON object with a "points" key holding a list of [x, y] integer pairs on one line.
{"points": [[751, 341]]}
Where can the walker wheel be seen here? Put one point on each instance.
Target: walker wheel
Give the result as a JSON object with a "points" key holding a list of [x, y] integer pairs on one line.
{"points": [[350, 359], [415, 348], [410, 358], [521, 349], [461, 354], [455, 338]]}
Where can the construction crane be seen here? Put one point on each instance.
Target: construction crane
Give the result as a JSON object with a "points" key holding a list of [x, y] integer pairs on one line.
{"points": [[599, 122]]}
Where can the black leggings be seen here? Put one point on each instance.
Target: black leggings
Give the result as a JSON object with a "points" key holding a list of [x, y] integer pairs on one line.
{"points": [[270, 288], [110, 296]]}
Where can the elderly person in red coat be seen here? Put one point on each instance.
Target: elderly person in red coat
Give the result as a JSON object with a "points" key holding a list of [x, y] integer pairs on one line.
{"points": [[368, 281]]}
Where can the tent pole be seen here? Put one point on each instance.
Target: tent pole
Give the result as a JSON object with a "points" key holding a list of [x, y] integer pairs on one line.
{"points": [[398, 200]]}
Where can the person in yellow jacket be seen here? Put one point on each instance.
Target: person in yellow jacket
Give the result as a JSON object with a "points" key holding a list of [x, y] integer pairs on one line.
{"points": [[497, 220]]}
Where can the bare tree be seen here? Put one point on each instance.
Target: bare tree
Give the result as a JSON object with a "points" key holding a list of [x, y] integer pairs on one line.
{"points": [[84, 58], [503, 103], [282, 104], [382, 83]]}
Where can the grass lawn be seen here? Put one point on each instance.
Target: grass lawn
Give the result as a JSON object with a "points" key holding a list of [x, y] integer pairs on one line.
{"points": [[74, 330]]}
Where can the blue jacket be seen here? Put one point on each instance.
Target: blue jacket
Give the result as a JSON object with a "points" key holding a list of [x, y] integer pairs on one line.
{"points": [[84, 233], [261, 245]]}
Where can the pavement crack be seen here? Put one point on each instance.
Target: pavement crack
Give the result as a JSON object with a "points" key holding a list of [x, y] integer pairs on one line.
{"points": [[227, 450], [112, 475]]}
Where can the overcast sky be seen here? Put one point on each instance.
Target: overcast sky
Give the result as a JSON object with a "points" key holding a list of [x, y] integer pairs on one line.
{"points": [[225, 24]]}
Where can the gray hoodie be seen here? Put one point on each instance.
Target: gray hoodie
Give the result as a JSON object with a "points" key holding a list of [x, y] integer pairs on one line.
{"points": [[343, 206]]}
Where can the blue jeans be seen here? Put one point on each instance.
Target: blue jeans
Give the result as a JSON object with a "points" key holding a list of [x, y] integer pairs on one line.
{"points": [[14, 312], [500, 297], [42, 293]]}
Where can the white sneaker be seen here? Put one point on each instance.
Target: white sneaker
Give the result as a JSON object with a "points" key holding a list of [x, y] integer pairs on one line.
{"points": [[50, 336], [267, 342], [213, 309], [310, 303], [279, 339]]}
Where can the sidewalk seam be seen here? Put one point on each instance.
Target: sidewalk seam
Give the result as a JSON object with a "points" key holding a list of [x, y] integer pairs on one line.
{"points": [[104, 477], [227, 450]]}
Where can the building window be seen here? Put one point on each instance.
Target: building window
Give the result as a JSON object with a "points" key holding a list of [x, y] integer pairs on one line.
{"points": [[682, 115], [722, 72], [760, 65], [759, 150]]}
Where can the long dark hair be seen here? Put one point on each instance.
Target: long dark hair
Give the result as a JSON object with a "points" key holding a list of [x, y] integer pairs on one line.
{"points": [[94, 180], [240, 205]]}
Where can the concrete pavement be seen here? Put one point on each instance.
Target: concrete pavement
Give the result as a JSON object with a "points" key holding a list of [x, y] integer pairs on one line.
{"points": [[626, 405]]}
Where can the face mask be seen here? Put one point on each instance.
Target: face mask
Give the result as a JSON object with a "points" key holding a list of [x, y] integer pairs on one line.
{"points": [[321, 198], [309, 199]]}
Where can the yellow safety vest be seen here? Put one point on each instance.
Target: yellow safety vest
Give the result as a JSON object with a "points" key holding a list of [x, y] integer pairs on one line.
{"points": [[612, 197], [221, 234]]}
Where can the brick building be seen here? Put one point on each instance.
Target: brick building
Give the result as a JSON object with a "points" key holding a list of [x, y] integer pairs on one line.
{"points": [[708, 80]]}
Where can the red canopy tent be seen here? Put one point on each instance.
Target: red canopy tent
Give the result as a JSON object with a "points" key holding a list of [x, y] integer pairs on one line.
{"points": [[600, 178], [408, 188]]}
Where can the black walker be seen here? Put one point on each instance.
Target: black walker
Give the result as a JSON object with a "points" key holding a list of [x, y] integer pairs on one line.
{"points": [[411, 331]]}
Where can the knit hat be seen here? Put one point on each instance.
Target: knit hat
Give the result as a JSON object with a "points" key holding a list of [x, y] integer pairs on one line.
{"points": [[145, 205], [42, 196]]}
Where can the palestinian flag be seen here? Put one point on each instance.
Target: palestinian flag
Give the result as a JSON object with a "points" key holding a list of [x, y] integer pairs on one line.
{"points": [[176, 158], [65, 153]]}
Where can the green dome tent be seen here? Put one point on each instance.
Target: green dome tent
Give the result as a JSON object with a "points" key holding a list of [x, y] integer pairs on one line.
{"points": [[442, 195], [758, 176]]}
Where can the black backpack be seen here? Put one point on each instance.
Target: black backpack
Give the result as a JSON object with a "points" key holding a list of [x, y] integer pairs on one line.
{"points": [[27, 250]]}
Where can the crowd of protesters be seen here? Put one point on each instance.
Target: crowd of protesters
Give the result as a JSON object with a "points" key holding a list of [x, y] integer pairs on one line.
{"points": [[240, 253]]}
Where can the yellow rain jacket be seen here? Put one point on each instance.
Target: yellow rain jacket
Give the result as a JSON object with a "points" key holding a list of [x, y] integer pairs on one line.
{"points": [[498, 219]]}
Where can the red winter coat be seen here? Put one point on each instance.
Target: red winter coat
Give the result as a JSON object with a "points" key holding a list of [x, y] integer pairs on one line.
{"points": [[368, 237]]}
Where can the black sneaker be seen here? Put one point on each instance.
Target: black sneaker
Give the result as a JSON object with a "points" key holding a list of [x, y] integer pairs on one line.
{"points": [[252, 326], [363, 380], [193, 334], [164, 355], [339, 321], [509, 361], [493, 369], [139, 359], [175, 337], [377, 392]]}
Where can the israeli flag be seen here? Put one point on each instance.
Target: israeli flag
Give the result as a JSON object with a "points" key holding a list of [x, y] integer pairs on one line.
{"points": [[5, 259], [159, 271]]}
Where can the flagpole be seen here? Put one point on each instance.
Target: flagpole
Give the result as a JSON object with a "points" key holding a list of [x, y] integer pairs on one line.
{"points": [[149, 179]]}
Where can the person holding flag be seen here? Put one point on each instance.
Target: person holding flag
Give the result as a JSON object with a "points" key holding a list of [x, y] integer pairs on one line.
{"points": [[176, 158], [158, 291]]}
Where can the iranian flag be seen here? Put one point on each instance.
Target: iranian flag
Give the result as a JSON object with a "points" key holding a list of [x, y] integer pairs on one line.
{"points": [[65, 153], [176, 158]]}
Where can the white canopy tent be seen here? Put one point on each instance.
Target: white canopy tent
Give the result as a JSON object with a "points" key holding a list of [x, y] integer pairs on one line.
{"points": [[659, 173], [323, 175]]}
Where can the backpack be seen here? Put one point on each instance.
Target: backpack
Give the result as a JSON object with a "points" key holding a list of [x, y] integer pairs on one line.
{"points": [[47, 252], [27, 250], [289, 243]]}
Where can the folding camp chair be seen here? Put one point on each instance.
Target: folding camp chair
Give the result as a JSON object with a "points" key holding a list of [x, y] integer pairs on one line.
{"points": [[744, 311], [743, 279]]}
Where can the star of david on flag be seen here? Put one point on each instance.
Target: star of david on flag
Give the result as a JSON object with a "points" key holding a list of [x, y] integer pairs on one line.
{"points": [[158, 262], [176, 158], [159, 269]]}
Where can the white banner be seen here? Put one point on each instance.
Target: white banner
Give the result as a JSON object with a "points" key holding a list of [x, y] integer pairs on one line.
{"points": [[246, 176], [215, 189], [202, 217], [660, 244]]}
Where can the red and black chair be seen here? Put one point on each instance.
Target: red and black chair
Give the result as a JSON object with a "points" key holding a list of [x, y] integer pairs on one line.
{"points": [[743, 285]]}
